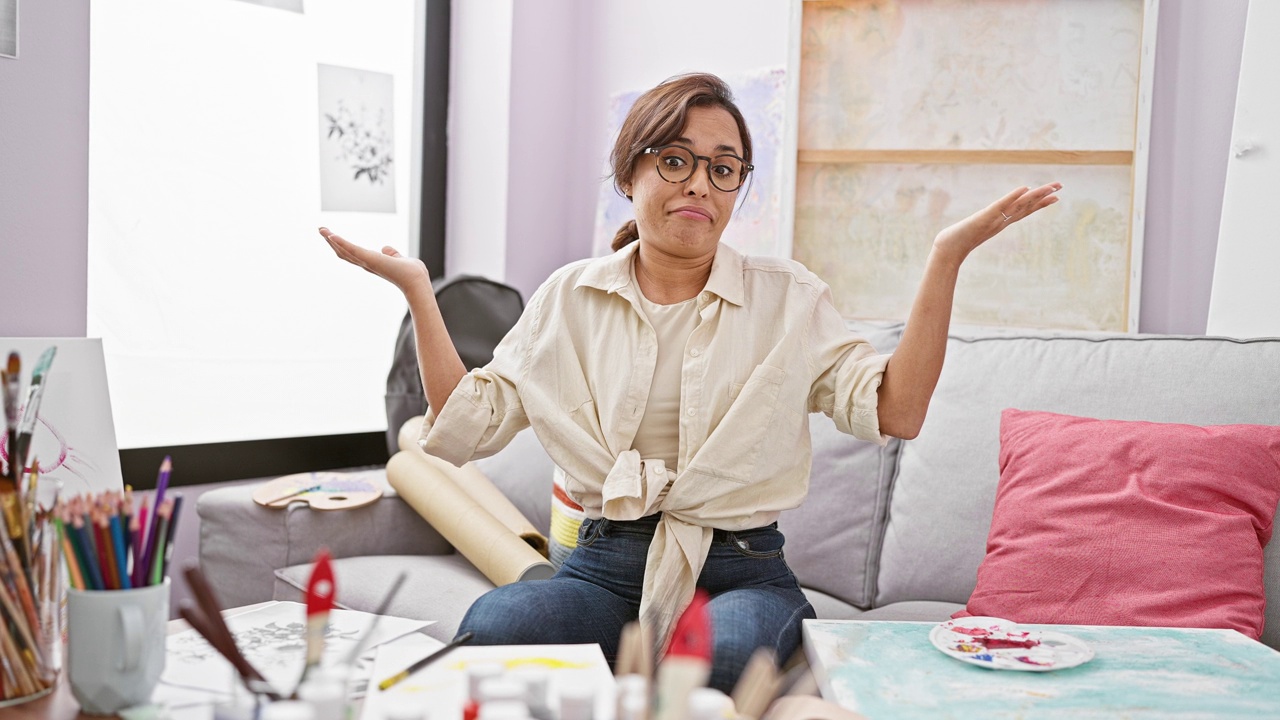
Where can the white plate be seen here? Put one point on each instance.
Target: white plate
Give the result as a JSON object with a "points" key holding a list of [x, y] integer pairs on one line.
{"points": [[966, 639]]}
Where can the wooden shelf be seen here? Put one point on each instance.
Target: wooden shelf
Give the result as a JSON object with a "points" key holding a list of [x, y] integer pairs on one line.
{"points": [[970, 157]]}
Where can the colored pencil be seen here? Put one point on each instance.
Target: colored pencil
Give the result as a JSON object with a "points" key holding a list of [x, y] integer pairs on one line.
{"points": [[163, 516], [119, 554], [69, 555], [139, 540], [149, 549], [89, 552], [174, 517]]}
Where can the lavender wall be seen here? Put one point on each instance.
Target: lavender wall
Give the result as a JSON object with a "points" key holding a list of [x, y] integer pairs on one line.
{"points": [[1197, 66], [44, 172]]}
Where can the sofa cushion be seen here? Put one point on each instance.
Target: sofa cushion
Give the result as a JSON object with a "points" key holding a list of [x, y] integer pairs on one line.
{"points": [[522, 471], [1104, 522], [242, 543], [437, 587], [833, 539], [944, 490], [913, 611]]}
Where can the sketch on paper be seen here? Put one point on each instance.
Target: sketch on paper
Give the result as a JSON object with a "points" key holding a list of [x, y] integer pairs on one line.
{"points": [[754, 229], [290, 5], [357, 140], [74, 441], [9, 28], [271, 639]]}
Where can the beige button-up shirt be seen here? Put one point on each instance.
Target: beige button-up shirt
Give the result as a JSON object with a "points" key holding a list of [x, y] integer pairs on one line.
{"points": [[769, 348]]}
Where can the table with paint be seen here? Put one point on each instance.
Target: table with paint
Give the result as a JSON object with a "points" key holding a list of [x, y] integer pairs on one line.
{"points": [[892, 670]]}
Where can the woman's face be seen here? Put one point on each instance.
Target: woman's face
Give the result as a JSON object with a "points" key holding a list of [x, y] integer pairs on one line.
{"points": [[685, 219]]}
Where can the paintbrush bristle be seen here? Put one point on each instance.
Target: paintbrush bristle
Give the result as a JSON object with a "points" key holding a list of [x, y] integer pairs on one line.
{"points": [[15, 365], [42, 366]]}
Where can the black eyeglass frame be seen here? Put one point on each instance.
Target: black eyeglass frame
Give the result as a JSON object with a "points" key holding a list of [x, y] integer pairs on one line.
{"points": [[656, 151]]}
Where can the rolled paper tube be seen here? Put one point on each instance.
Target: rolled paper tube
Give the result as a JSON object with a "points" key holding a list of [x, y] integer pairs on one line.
{"points": [[481, 489], [496, 551]]}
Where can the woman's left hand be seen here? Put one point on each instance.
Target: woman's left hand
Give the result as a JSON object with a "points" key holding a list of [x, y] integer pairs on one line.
{"points": [[960, 239]]}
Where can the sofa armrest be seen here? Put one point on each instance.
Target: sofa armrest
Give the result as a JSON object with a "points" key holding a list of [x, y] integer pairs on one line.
{"points": [[242, 544]]}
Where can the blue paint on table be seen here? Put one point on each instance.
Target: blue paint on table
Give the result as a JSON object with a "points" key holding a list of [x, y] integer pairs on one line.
{"points": [[891, 670]]}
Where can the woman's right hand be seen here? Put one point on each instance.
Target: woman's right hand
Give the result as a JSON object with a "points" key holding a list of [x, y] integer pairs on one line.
{"points": [[408, 274]]}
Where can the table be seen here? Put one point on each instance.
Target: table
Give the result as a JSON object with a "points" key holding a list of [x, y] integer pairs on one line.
{"points": [[890, 670], [62, 705]]}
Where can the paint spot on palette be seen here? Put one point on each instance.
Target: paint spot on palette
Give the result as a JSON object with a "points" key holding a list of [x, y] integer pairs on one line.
{"points": [[323, 490], [999, 644]]}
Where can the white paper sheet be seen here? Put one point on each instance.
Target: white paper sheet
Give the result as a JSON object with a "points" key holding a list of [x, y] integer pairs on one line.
{"points": [[271, 639], [440, 688]]}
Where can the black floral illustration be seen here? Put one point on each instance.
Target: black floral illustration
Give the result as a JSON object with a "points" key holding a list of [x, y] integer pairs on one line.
{"points": [[364, 144]]}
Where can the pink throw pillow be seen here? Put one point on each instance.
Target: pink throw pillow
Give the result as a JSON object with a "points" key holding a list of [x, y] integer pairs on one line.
{"points": [[1108, 522]]}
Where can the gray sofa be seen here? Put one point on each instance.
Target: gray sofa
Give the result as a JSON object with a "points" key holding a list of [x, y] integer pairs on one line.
{"points": [[892, 533]]}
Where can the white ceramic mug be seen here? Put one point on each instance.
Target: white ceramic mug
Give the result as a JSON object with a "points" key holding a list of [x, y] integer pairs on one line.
{"points": [[116, 645]]}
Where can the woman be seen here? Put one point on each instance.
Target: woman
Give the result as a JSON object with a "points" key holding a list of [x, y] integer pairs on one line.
{"points": [[671, 381]]}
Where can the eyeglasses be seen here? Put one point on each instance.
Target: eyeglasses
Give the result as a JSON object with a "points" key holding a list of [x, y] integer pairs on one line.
{"points": [[677, 163]]}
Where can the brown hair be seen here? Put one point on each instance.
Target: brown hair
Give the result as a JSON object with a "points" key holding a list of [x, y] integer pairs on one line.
{"points": [[657, 118]]}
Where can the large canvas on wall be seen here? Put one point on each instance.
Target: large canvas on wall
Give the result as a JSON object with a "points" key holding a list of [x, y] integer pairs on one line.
{"points": [[913, 114]]}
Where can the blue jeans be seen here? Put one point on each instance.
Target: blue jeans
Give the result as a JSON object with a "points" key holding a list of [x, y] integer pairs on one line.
{"points": [[755, 599]]}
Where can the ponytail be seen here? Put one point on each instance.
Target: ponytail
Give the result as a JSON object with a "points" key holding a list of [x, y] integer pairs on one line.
{"points": [[627, 234]]}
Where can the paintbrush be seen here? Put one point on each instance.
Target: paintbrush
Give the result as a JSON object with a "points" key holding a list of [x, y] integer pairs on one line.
{"points": [[225, 644], [377, 615], [758, 684], [292, 494], [320, 592], [12, 387], [460, 640], [687, 664], [31, 412], [217, 628]]}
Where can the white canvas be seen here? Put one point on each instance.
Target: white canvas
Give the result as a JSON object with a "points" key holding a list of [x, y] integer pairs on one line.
{"points": [[1245, 294], [441, 686], [74, 441]]}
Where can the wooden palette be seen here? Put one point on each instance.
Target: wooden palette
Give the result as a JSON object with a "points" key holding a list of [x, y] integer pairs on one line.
{"points": [[322, 490]]}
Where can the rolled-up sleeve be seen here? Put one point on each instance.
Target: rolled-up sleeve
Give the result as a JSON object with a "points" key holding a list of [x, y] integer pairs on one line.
{"points": [[847, 372]]}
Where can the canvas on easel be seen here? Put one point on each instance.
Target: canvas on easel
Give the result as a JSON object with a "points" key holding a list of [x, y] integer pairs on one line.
{"points": [[74, 441]]}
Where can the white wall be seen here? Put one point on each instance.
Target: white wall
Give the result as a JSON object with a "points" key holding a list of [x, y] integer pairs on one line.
{"points": [[479, 129]]}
